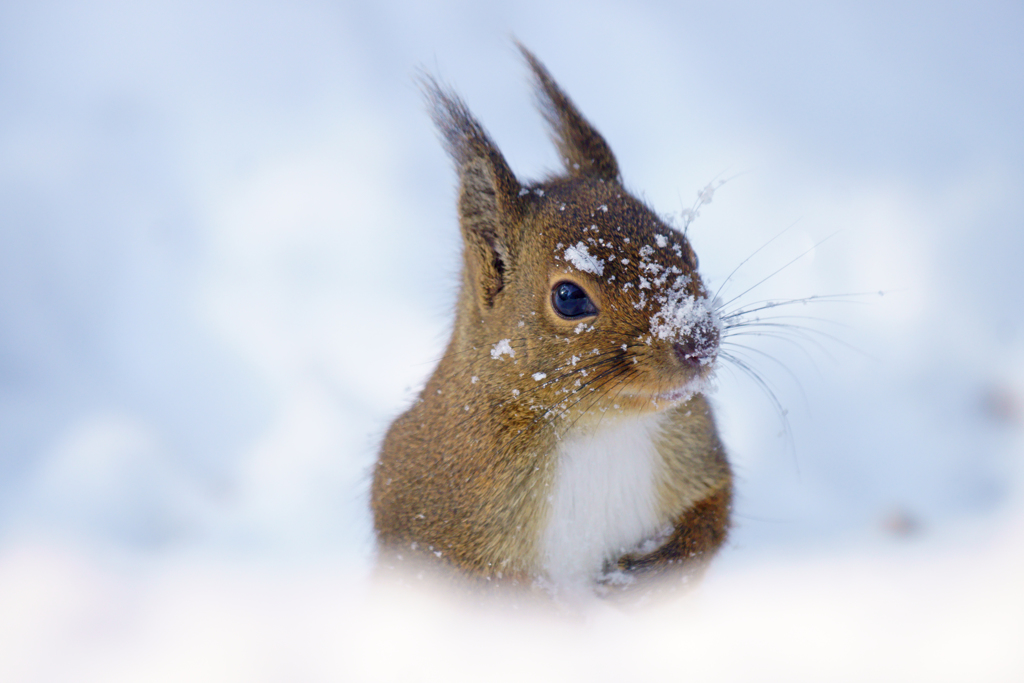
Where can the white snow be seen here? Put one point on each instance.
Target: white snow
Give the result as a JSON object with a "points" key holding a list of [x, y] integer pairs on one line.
{"points": [[682, 315], [502, 348], [538, 376], [580, 257]]}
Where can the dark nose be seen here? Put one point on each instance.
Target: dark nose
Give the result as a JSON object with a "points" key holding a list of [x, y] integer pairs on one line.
{"points": [[688, 353]]}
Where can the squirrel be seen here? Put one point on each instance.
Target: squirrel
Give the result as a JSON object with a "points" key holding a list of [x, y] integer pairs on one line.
{"points": [[563, 439]]}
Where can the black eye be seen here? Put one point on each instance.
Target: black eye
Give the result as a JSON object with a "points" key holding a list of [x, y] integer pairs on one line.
{"points": [[570, 301]]}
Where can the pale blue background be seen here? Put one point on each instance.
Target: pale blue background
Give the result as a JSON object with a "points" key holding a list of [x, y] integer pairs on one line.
{"points": [[228, 251]]}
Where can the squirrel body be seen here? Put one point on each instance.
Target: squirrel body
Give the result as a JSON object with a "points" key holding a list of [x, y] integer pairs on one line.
{"points": [[563, 438]]}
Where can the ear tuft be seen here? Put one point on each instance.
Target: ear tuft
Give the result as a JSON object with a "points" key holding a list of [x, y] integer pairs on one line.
{"points": [[464, 138], [582, 148], [490, 204]]}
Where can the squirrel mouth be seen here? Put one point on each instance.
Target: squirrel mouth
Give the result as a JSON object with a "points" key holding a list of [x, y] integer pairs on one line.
{"points": [[680, 394], [676, 395], [699, 362]]}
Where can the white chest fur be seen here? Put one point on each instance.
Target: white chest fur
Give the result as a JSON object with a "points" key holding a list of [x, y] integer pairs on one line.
{"points": [[605, 498]]}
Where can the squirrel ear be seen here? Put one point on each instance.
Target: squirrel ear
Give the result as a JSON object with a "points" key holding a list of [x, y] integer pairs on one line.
{"points": [[584, 150], [490, 203]]}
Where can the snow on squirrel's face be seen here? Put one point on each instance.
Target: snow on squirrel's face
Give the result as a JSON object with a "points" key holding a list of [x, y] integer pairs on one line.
{"points": [[622, 295]]}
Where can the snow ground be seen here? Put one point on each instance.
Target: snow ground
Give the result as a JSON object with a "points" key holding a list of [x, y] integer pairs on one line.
{"points": [[228, 256]]}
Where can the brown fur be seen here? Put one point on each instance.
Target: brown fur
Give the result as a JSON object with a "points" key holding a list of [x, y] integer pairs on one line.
{"points": [[463, 476]]}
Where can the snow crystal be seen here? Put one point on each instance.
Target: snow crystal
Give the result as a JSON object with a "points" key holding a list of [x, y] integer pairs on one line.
{"points": [[538, 376], [661, 241], [683, 316], [705, 195], [581, 258], [474, 379], [501, 348]]}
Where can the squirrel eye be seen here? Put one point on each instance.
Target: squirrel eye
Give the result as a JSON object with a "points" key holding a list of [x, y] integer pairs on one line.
{"points": [[570, 301]]}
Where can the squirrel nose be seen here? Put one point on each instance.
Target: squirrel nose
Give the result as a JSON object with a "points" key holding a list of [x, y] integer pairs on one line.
{"points": [[695, 350], [688, 352]]}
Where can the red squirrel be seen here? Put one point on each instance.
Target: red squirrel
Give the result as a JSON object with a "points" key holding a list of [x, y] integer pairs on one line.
{"points": [[563, 439]]}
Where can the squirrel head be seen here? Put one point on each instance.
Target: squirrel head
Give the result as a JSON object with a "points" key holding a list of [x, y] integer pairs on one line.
{"points": [[576, 298]]}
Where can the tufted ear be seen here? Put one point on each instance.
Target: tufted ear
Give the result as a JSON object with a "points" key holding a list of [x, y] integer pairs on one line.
{"points": [[582, 148], [490, 201]]}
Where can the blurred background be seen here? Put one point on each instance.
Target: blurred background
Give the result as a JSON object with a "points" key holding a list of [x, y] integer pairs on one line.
{"points": [[228, 258]]}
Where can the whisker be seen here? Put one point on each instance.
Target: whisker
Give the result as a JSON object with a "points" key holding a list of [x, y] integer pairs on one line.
{"points": [[804, 332], [552, 423], [607, 375], [756, 251], [526, 394], [787, 265], [596, 398], [568, 375], [775, 303], [780, 336], [769, 393], [792, 375], [554, 408], [758, 319]]}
